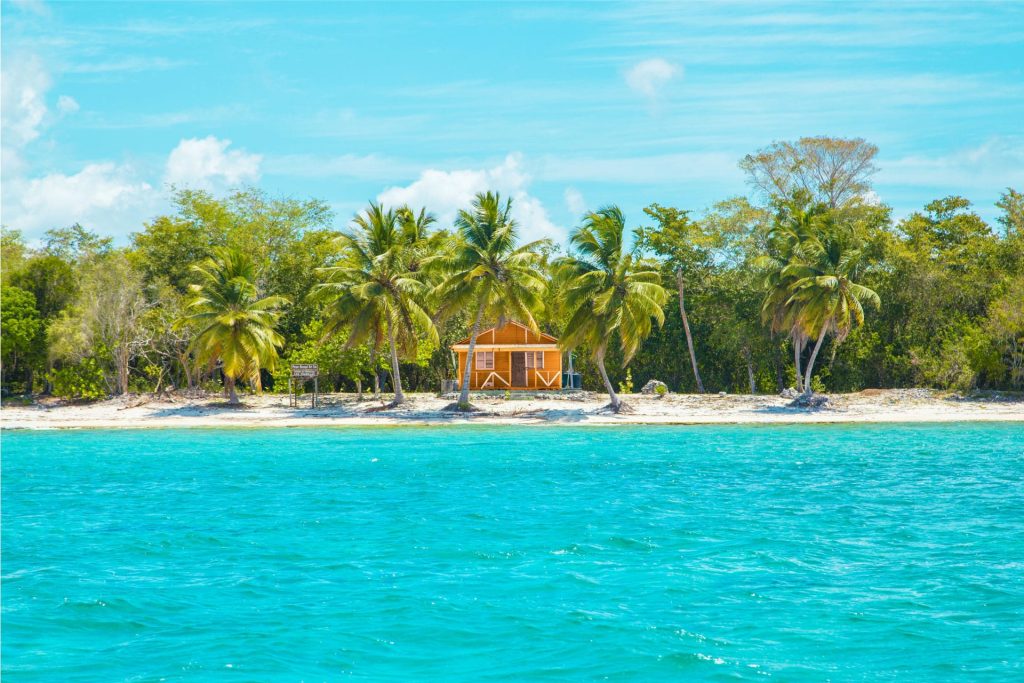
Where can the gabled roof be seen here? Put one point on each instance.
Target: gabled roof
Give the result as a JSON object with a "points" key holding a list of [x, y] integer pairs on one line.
{"points": [[545, 337]]}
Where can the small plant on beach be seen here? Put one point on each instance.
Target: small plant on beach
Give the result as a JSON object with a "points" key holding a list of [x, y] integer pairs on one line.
{"points": [[661, 391], [508, 395], [626, 385]]}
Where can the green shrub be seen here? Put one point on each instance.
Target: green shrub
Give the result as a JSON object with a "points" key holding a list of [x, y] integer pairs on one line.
{"points": [[83, 380], [626, 385], [661, 390]]}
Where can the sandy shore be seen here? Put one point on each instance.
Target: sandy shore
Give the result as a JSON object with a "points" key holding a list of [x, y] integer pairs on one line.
{"points": [[911, 405]]}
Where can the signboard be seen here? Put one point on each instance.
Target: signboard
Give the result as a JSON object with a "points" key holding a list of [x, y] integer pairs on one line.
{"points": [[305, 370]]}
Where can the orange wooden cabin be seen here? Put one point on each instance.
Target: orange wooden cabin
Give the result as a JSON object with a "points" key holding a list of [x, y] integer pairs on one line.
{"points": [[511, 356]]}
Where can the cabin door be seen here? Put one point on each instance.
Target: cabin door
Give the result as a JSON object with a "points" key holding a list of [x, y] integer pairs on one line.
{"points": [[518, 369]]}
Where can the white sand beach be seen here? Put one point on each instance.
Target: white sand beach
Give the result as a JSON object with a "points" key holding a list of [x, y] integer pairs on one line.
{"points": [[584, 408]]}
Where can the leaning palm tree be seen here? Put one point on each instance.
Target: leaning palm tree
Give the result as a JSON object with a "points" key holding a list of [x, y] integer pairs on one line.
{"points": [[488, 271], [609, 292], [235, 326], [373, 292], [824, 295]]}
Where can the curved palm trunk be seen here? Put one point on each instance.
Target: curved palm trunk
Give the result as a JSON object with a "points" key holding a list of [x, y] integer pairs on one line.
{"points": [[613, 399], [798, 350], [232, 394], [814, 356], [464, 393], [373, 368], [395, 373], [686, 328]]}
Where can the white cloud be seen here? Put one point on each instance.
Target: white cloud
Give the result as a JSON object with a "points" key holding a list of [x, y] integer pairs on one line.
{"points": [[651, 75], [67, 104], [102, 196], [445, 192], [574, 201], [115, 198], [207, 164], [23, 96]]}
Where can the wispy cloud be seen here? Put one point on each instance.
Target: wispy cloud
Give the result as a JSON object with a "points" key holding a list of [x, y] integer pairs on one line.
{"points": [[127, 64], [650, 76], [992, 165]]}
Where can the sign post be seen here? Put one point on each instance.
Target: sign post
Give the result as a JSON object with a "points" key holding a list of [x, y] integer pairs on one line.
{"points": [[301, 373]]}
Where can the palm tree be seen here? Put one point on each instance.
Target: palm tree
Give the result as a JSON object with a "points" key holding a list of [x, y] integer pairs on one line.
{"points": [[822, 289], [797, 220], [488, 271], [608, 292], [373, 291], [234, 325]]}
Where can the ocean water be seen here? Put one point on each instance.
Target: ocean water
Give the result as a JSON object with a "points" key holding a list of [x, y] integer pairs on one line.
{"points": [[844, 553]]}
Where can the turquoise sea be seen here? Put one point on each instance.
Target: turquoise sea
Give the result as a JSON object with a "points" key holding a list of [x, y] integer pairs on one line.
{"points": [[844, 553]]}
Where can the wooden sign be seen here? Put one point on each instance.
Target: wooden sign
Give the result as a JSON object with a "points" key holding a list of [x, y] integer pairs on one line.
{"points": [[305, 370]]}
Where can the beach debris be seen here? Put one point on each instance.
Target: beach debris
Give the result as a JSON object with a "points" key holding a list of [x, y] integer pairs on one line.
{"points": [[652, 386]]}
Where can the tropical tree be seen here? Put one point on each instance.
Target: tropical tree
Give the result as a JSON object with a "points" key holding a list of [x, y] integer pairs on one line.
{"points": [[833, 171], [235, 326], [609, 292], [686, 250], [823, 295], [373, 290], [797, 219], [488, 271]]}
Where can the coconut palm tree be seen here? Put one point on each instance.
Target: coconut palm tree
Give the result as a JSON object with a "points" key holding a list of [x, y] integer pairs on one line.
{"points": [[609, 292], [372, 292], [797, 219], [489, 272], [235, 325], [823, 292]]}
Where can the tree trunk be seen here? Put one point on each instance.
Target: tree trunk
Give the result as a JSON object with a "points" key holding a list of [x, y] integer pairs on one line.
{"points": [[686, 328], [464, 393], [798, 349], [359, 389], [750, 370], [780, 380], [373, 368], [613, 399], [814, 355], [232, 395], [122, 372], [28, 381], [396, 375]]}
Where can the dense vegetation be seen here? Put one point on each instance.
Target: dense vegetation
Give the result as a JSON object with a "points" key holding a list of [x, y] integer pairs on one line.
{"points": [[808, 283]]}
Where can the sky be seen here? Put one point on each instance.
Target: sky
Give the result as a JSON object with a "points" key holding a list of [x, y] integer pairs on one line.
{"points": [[563, 107]]}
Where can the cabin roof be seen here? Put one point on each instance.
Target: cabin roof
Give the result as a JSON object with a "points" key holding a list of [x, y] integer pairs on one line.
{"points": [[545, 338]]}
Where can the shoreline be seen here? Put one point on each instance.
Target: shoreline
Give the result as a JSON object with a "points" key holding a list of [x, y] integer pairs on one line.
{"points": [[872, 406]]}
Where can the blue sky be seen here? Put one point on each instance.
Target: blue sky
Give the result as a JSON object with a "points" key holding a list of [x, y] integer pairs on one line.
{"points": [[562, 106]]}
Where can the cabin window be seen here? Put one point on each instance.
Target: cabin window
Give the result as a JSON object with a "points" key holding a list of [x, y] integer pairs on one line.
{"points": [[484, 360], [535, 359]]}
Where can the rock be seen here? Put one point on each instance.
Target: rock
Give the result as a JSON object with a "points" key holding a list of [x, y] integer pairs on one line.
{"points": [[810, 402], [722, 393], [652, 387], [789, 393]]}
